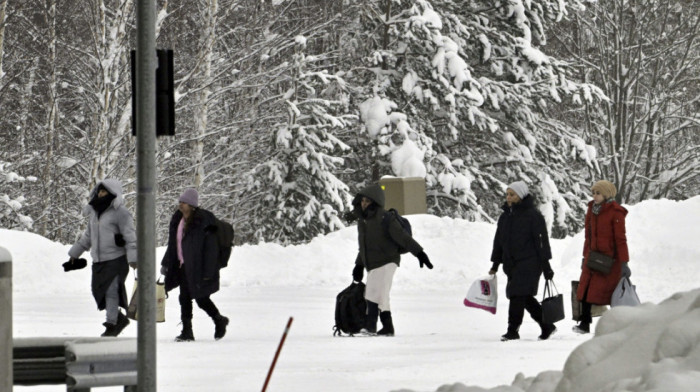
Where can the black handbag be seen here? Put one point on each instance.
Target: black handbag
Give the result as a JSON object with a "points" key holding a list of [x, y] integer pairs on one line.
{"points": [[599, 262], [552, 304]]}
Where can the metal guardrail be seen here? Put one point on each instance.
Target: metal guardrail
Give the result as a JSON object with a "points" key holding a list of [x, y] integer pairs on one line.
{"points": [[79, 363]]}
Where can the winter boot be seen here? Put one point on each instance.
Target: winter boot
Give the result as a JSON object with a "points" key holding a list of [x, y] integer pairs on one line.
{"points": [[122, 322], [511, 334], [112, 330], [547, 331], [186, 335], [220, 323], [582, 328], [387, 324], [109, 329], [370, 327]]}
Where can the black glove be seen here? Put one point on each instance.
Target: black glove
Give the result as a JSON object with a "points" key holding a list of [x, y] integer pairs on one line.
{"points": [[626, 272], [74, 264], [350, 216], [549, 274], [358, 272], [119, 240], [423, 260]]}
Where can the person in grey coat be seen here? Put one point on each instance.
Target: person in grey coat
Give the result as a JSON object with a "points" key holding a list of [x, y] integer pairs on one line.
{"points": [[521, 244], [379, 236], [110, 237]]}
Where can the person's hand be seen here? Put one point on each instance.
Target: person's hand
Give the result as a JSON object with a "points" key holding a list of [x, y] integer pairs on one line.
{"points": [[163, 270], [134, 264], [549, 274], [424, 260], [492, 272], [626, 272], [119, 240], [74, 264], [358, 273]]}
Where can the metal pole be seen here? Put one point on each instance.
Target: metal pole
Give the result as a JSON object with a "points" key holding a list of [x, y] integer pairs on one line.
{"points": [[145, 209], [277, 354], [5, 320]]}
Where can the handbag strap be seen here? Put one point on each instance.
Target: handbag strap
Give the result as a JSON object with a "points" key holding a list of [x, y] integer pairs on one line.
{"points": [[549, 290]]}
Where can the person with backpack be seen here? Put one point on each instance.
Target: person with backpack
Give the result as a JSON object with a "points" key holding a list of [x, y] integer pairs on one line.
{"points": [[380, 237], [521, 244], [191, 261], [111, 239]]}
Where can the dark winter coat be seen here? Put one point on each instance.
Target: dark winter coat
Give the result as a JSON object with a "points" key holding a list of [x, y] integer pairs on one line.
{"points": [[605, 233], [200, 250], [521, 244], [379, 237]]}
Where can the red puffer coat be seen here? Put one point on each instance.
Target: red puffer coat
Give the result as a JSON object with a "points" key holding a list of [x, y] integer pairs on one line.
{"points": [[605, 233]]}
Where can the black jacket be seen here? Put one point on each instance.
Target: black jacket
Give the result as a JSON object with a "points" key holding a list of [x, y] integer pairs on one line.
{"points": [[521, 244], [379, 236], [200, 250]]}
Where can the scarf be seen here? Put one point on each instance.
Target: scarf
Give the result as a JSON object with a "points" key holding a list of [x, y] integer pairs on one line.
{"points": [[100, 204], [598, 207]]}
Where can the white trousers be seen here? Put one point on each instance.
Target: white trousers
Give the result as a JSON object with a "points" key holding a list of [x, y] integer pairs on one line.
{"points": [[379, 285]]}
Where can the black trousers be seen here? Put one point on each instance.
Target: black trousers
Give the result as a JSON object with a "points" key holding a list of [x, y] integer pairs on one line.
{"points": [[517, 308], [204, 303]]}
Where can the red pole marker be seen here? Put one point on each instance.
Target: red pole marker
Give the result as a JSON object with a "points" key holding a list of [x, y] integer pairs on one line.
{"points": [[279, 348]]}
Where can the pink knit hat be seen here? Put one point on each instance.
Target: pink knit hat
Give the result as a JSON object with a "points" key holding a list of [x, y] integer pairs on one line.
{"points": [[190, 196]]}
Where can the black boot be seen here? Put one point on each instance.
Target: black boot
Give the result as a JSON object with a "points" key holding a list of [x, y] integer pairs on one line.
{"points": [[220, 323], [387, 324], [186, 335], [547, 331], [371, 319], [116, 329], [582, 328], [511, 334]]}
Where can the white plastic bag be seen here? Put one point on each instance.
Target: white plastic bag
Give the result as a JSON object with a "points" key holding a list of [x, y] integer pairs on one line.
{"points": [[483, 294], [625, 294]]}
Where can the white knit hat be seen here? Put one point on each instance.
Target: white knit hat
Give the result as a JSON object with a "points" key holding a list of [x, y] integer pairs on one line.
{"points": [[520, 187]]}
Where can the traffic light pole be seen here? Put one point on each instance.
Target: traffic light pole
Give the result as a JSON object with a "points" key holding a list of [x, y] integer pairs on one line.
{"points": [[146, 183]]}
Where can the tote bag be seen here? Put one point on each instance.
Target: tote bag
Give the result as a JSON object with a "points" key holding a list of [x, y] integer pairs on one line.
{"points": [[133, 302], [132, 310], [625, 294], [483, 294], [552, 304]]}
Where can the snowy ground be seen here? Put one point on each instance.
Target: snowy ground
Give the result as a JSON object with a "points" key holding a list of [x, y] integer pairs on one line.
{"points": [[440, 344]]}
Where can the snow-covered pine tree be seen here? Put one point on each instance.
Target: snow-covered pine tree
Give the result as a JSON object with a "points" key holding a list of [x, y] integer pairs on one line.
{"points": [[12, 199], [297, 193], [473, 79]]}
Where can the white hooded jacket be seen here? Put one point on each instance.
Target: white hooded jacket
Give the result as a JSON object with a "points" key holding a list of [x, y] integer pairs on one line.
{"points": [[99, 237]]}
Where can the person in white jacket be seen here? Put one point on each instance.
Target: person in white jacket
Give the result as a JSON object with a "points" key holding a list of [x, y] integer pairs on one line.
{"points": [[110, 237]]}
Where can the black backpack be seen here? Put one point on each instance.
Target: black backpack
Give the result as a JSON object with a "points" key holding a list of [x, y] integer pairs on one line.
{"points": [[405, 225], [350, 310], [224, 236]]}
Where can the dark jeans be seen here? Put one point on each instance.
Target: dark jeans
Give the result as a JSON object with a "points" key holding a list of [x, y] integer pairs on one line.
{"points": [[517, 308], [204, 303]]}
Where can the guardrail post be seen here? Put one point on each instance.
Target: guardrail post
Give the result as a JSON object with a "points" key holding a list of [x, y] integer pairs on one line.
{"points": [[5, 320]]}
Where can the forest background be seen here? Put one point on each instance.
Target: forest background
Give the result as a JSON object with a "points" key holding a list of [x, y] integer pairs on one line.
{"points": [[286, 108]]}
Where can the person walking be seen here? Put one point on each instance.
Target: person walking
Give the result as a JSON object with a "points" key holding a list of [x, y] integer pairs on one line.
{"points": [[110, 237], [191, 263], [380, 235], [521, 244], [604, 233]]}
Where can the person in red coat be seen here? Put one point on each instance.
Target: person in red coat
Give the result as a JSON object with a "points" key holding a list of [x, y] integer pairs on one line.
{"points": [[605, 233]]}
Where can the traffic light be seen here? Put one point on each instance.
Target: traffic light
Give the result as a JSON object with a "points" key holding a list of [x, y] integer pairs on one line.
{"points": [[165, 93]]}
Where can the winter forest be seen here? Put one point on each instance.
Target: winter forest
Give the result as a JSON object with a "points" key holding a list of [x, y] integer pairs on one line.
{"points": [[285, 108]]}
